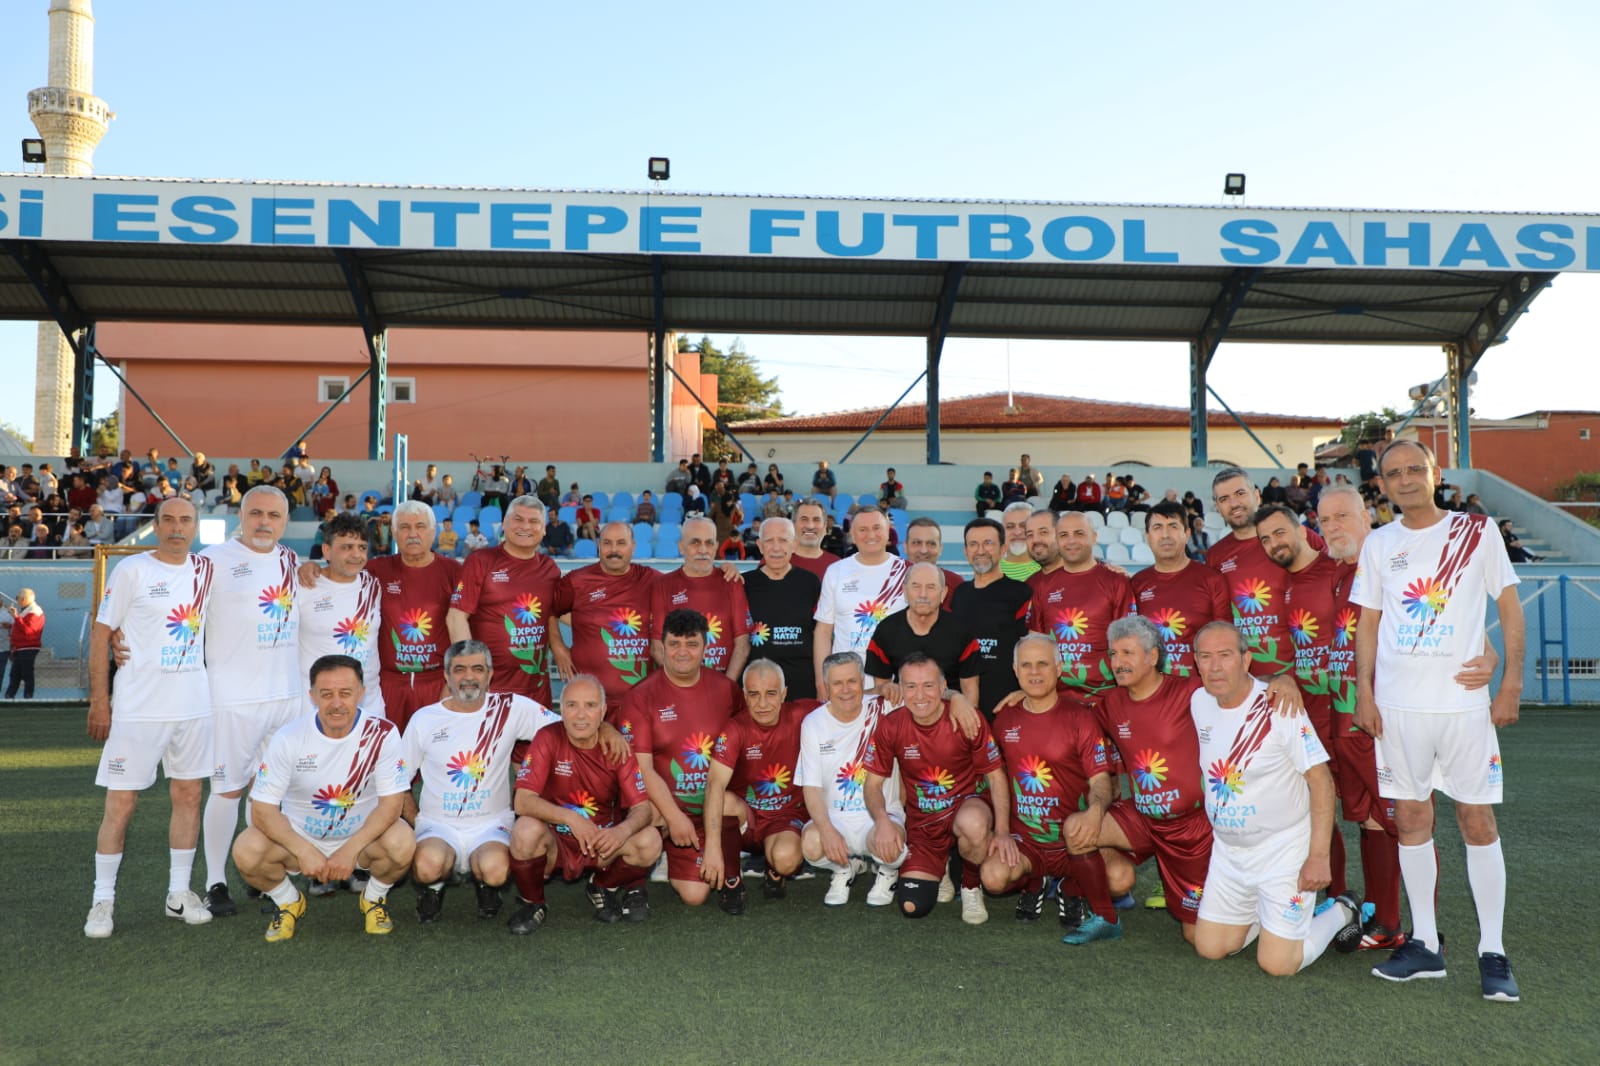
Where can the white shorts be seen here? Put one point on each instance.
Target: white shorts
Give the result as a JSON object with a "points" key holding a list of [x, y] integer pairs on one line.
{"points": [[1457, 753], [1260, 884], [466, 837], [857, 833], [240, 735], [128, 763]]}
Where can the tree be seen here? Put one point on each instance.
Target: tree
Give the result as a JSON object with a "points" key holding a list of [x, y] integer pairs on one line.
{"points": [[105, 435], [742, 393], [1368, 426]]}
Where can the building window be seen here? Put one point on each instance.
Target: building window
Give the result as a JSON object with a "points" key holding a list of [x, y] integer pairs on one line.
{"points": [[402, 390], [330, 389], [1583, 434], [1576, 668]]}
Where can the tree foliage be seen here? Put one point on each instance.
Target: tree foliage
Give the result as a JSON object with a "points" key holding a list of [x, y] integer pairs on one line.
{"points": [[743, 395], [1369, 425], [105, 435]]}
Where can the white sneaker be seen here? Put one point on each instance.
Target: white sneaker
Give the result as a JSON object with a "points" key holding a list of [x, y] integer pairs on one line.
{"points": [[973, 912], [187, 906], [658, 872], [99, 925], [882, 893], [947, 889], [839, 888]]}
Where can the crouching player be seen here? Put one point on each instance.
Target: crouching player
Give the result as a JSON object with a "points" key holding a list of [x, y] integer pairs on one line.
{"points": [[327, 799], [942, 771], [1269, 798], [1060, 771], [568, 796]]}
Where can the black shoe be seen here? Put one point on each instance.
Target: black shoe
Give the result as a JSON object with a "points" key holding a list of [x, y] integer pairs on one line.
{"points": [[430, 902], [754, 863], [252, 892], [488, 900], [1348, 938], [1498, 983], [527, 920], [774, 887], [610, 909], [1029, 906], [635, 903], [596, 895], [218, 902], [731, 900], [1071, 910]]}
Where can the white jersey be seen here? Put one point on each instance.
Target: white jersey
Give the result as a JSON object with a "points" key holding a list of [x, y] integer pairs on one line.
{"points": [[465, 758], [1254, 764], [342, 619], [833, 757], [328, 788], [856, 597], [162, 610], [252, 633], [1432, 586]]}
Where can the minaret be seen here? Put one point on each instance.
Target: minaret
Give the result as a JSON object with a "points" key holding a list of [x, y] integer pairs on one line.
{"points": [[71, 119]]}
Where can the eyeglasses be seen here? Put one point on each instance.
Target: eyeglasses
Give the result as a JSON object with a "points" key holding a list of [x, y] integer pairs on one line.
{"points": [[1415, 470]]}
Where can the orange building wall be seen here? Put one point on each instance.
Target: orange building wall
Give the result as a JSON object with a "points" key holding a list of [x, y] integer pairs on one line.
{"points": [[1532, 458], [542, 396]]}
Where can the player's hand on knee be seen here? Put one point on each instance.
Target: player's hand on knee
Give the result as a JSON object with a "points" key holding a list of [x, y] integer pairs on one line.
{"points": [[1004, 847], [833, 847], [680, 830]]}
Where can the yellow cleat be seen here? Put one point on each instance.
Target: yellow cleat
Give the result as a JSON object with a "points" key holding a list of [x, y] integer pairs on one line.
{"points": [[377, 915], [282, 927], [1157, 901]]}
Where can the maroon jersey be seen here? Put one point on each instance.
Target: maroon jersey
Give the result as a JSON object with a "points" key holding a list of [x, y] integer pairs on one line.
{"points": [[1256, 588], [611, 625], [678, 727], [939, 766], [1180, 603], [510, 605], [1311, 603], [720, 600], [763, 759], [411, 612], [818, 566], [1342, 651], [1158, 745], [1076, 609], [580, 779], [1050, 757]]}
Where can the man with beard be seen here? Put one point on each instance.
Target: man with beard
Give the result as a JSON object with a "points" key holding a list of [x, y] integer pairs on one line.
{"points": [[810, 526], [697, 586], [611, 616], [1075, 602], [994, 608], [1018, 563]]}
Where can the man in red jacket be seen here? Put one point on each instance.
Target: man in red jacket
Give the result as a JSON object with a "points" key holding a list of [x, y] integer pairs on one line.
{"points": [[27, 629]]}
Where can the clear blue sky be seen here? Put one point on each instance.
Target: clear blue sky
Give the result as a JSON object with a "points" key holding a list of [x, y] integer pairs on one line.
{"points": [[1473, 106]]}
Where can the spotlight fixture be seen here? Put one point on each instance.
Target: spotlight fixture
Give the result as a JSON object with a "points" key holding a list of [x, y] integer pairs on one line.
{"points": [[1233, 185], [33, 150], [660, 168]]}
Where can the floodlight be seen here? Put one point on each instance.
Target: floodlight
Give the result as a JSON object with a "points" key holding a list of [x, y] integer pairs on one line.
{"points": [[660, 168], [33, 150], [1233, 185]]}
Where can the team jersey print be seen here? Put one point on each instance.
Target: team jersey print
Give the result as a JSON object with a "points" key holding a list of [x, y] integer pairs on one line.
{"points": [[1156, 740], [1076, 609], [1050, 757], [677, 727], [939, 766], [583, 780]]}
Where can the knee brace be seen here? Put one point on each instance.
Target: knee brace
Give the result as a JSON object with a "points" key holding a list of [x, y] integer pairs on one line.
{"points": [[915, 897]]}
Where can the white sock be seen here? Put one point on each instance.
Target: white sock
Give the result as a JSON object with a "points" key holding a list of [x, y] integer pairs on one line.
{"points": [[437, 885], [826, 863], [1324, 927], [1419, 870], [182, 869], [376, 890], [284, 893], [221, 818], [1486, 873], [105, 876]]}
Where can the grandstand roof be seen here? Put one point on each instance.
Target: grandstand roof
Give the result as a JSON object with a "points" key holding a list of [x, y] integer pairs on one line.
{"points": [[1023, 410]]}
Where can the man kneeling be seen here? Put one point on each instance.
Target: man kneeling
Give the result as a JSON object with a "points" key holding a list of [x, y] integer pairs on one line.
{"points": [[1269, 797], [567, 799], [327, 799]]}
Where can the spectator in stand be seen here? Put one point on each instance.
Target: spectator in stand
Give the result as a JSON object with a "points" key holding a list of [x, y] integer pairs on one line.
{"points": [[750, 480], [700, 474], [588, 518], [447, 492], [1473, 505], [1089, 495], [823, 483], [1514, 547], [521, 484], [788, 503], [1138, 496], [49, 486], [15, 546], [1064, 495], [1195, 505], [162, 492], [558, 539], [1382, 512], [727, 514], [325, 492], [731, 546], [774, 506], [150, 470], [987, 494], [75, 545], [645, 509], [549, 488], [192, 492], [203, 472], [722, 478], [43, 543], [27, 637], [380, 536], [301, 450], [752, 539], [1012, 490], [429, 484], [496, 488], [290, 484], [349, 506], [1298, 493], [81, 493], [1199, 540], [834, 542], [1029, 476], [891, 491], [475, 540], [574, 497], [773, 482], [1274, 493], [694, 504], [256, 474], [1116, 496], [448, 538], [98, 528]]}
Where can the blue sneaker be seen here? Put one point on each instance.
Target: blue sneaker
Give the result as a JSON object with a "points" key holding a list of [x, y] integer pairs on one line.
{"points": [[1093, 928], [1412, 960], [1125, 902], [1498, 984]]}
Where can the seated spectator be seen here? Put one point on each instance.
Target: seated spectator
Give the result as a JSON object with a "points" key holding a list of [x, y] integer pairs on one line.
{"points": [[1199, 540], [1274, 493], [645, 509], [192, 492], [1514, 547], [789, 503], [732, 546], [774, 479], [429, 483], [1089, 495], [291, 486], [1138, 497], [679, 481], [318, 540], [823, 483], [1473, 505], [369, 509], [774, 507], [1012, 489], [750, 480], [1382, 512], [1116, 495], [76, 544], [447, 538], [721, 477], [380, 536], [558, 538], [891, 491], [112, 497], [301, 450], [204, 474], [1298, 494], [521, 483], [255, 475], [588, 519], [80, 492], [833, 537], [42, 545], [1193, 503], [474, 540], [324, 492], [150, 470], [347, 507], [987, 494], [15, 546], [447, 492], [694, 504], [497, 487], [752, 539], [574, 497], [1064, 495], [98, 528], [416, 492]]}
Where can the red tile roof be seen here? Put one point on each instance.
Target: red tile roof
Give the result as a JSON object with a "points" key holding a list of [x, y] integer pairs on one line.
{"points": [[1028, 411]]}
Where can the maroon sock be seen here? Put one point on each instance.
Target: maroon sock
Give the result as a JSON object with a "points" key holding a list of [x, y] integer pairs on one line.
{"points": [[1336, 862], [529, 876], [1380, 870], [1030, 883], [969, 875], [730, 852], [1089, 874], [620, 874]]}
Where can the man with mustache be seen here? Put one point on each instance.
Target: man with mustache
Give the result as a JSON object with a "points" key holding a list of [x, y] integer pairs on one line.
{"points": [[810, 526], [611, 616], [697, 586]]}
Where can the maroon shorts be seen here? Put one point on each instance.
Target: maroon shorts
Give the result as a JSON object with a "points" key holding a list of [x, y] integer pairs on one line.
{"points": [[571, 862], [763, 825], [1182, 850], [1355, 769], [1043, 861], [406, 694], [683, 864], [929, 839]]}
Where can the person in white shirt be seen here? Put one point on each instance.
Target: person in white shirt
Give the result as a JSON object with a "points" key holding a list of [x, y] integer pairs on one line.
{"points": [[340, 616], [160, 711], [1422, 585], [1270, 799], [326, 799], [859, 591]]}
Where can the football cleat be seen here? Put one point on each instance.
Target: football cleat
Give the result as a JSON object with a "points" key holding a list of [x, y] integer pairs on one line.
{"points": [[283, 919], [219, 903], [187, 907], [375, 913]]}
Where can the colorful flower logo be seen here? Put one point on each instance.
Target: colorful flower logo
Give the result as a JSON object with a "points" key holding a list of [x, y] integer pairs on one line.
{"points": [[625, 622], [697, 751], [1225, 780], [713, 628], [276, 601], [1171, 622], [1070, 624], [852, 778], [333, 799], [1252, 595], [1296, 907], [760, 634], [1192, 894], [351, 633], [466, 769], [1425, 599], [1149, 769], [1034, 774], [772, 781], [1344, 633], [526, 609], [415, 625], [1303, 627], [936, 781], [184, 621], [871, 612], [583, 803]]}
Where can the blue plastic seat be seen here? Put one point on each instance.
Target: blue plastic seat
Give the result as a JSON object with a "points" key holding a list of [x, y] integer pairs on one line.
{"points": [[602, 500], [463, 514], [490, 515], [471, 498], [622, 499], [569, 515], [643, 534], [585, 549]]}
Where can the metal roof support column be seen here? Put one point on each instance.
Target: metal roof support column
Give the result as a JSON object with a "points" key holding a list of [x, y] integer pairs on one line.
{"points": [[660, 403], [377, 337], [84, 355], [1490, 328], [941, 326], [1201, 351]]}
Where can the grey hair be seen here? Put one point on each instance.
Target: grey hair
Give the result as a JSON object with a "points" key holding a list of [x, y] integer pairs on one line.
{"points": [[270, 490], [780, 523], [1136, 626], [529, 503], [407, 508], [843, 658], [1228, 473], [1035, 638], [1018, 506], [577, 679], [1337, 489], [468, 647], [762, 666], [1217, 627]]}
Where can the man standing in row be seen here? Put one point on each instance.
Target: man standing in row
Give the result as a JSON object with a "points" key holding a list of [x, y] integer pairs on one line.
{"points": [[1075, 603], [1177, 594], [994, 608], [924, 627], [698, 586], [341, 613], [810, 526], [783, 606], [611, 616], [925, 544], [859, 592]]}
